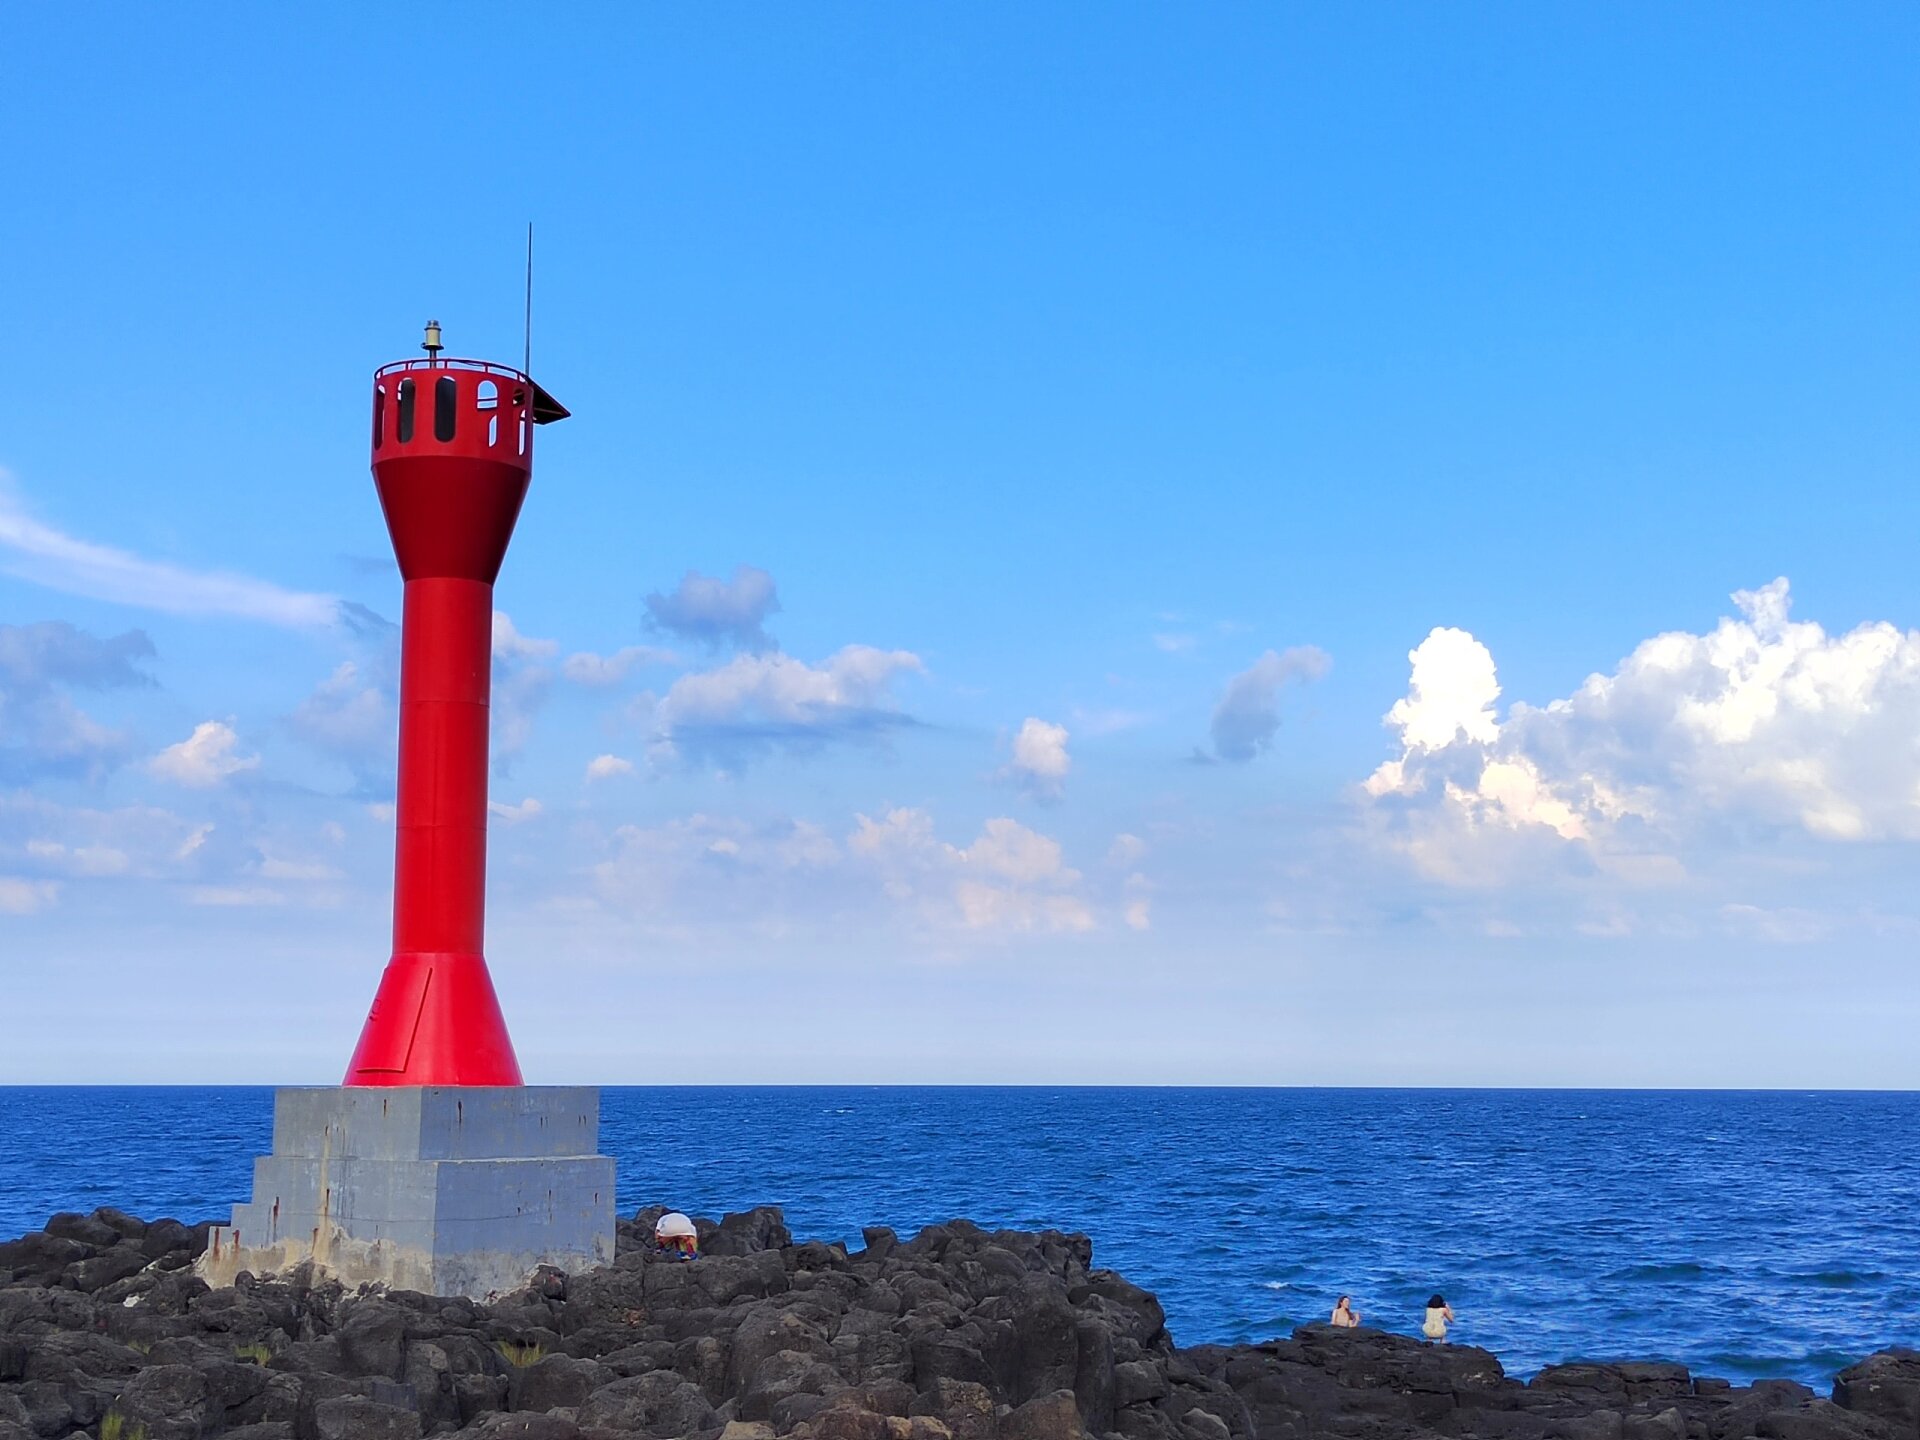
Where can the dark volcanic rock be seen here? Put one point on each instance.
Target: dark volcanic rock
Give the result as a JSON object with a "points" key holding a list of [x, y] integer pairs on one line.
{"points": [[355, 1417], [660, 1404], [1885, 1386], [959, 1333]]}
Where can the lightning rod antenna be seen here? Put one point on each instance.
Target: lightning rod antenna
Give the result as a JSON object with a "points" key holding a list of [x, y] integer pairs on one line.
{"points": [[526, 363]]}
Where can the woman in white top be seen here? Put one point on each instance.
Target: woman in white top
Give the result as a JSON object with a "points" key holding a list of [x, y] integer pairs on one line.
{"points": [[1438, 1314], [1344, 1315]]}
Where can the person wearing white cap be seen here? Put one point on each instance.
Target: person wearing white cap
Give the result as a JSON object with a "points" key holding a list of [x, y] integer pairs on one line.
{"points": [[675, 1234]]}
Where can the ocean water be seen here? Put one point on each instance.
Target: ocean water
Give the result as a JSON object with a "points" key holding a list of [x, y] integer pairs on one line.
{"points": [[1744, 1234]]}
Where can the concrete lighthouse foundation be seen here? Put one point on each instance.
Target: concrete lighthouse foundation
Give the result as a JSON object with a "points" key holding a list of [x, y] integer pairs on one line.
{"points": [[446, 1189]]}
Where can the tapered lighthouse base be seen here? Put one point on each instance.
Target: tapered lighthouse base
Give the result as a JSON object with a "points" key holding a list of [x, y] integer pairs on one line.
{"points": [[435, 1021], [450, 1190]]}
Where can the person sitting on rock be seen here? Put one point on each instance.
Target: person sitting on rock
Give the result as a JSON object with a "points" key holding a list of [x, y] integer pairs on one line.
{"points": [[675, 1235], [1438, 1314], [1345, 1317]]}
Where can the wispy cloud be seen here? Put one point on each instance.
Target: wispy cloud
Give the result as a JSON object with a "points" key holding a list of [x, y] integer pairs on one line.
{"points": [[34, 551]]}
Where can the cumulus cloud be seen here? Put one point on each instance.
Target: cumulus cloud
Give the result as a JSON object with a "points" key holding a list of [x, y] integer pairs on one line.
{"points": [[526, 810], [757, 702], [607, 767], [510, 645], [1763, 728], [206, 758], [1040, 761], [41, 730], [1248, 712], [34, 551], [1010, 880], [1450, 696], [714, 612]]}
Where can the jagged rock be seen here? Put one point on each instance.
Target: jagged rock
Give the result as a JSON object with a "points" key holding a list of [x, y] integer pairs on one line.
{"points": [[357, 1417], [1054, 1416], [1885, 1386], [168, 1401], [87, 1229], [1136, 1383], [521, 1427], [782, 1374], [107, 1267], [556, 1382], [749, 1232], [1626, 1381], [13, 1414], [766, 1329], [1824, 1420], [957, 1334], [372, 1337], [966, 1407], [661, 1404]]}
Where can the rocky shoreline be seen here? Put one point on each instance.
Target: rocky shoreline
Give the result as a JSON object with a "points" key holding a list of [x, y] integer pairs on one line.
{"points": [[957, 1334]]}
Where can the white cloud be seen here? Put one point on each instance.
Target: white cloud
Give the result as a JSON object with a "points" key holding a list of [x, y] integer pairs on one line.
{"points": [[49, 839], [1126, 850], [34, 551], [1040, 761], [509, 644], [1451, 693], [205, 758], [1009, 880], [1248, 713], [527, 809], [606, 767], [1173, 644], [711, 611], [1768, 725], [90, 860], [760, 701], [26, 897], [721, 870], [1138, 914]]}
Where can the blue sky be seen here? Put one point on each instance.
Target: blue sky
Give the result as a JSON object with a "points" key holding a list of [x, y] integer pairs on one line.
{"points": [[1246, 545]]}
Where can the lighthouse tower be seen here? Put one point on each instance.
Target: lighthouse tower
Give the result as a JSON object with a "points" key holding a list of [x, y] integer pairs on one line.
{"points": [[433, 1167], [452, 459]]}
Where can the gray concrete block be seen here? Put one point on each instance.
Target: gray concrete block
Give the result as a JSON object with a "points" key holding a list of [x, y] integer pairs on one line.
{"points": [[454, 1190]]}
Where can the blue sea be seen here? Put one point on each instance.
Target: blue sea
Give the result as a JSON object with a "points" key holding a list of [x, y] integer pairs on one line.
{"points": [[1745, 1234]]}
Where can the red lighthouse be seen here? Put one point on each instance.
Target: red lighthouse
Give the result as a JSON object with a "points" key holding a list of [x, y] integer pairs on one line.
{"points": [[452, 459]]}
